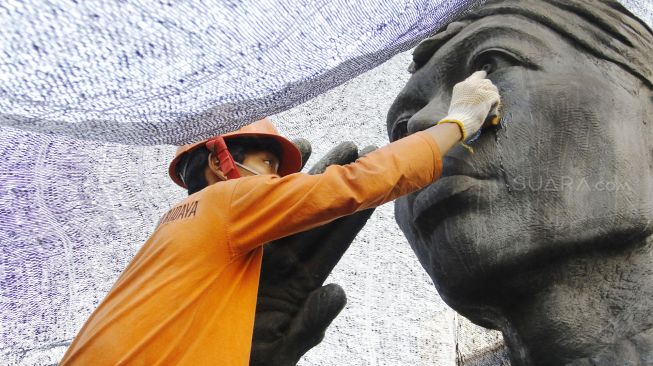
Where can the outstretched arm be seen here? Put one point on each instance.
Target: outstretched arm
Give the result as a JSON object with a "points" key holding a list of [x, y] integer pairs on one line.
{"points": [[268, 208]]}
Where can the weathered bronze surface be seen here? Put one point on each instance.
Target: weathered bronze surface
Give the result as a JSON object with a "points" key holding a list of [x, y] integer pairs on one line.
{"points": [[545, 232]]}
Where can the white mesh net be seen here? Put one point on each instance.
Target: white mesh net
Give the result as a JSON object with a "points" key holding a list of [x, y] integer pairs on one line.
{"points": [[149, 71]]}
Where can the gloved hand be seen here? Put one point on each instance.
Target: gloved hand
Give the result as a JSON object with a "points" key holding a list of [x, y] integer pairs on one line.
{"points": [[471, 102]]}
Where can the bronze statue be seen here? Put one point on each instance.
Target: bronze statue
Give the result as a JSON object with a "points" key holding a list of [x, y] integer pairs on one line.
{"points": [[550, 240]]}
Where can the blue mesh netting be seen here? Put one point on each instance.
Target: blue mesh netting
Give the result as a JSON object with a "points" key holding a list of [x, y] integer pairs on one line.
{"points": [[148, 71]]}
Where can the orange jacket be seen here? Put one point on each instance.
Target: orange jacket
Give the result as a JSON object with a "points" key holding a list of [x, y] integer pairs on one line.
{"points": [[189, 295]]}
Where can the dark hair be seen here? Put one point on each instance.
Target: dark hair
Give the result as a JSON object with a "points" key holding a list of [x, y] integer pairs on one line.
{"points": [[192, 166], [191, 169], [239, 146]]}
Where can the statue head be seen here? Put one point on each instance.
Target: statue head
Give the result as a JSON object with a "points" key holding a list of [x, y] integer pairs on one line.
{"points": [[568, 174]]}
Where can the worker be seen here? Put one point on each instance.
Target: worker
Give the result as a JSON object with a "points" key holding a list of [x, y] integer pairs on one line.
{"points": [[189, 295]]}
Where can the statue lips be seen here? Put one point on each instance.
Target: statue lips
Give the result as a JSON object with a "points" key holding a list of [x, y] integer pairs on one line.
{"points": [[447, 197]]}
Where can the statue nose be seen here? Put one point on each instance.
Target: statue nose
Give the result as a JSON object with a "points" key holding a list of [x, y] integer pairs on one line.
{"points": [[416, 124], [427, 116]]}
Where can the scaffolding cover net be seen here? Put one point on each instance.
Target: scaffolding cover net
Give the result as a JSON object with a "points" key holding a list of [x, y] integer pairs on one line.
{"points": [[92, 94], [157, 71]]}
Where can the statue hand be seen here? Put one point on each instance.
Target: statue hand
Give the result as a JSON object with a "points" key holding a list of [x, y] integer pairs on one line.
{"points": [[293, 308]]}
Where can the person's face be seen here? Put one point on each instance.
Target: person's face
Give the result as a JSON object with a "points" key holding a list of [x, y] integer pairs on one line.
{"points": [[262, 162], [569, 170]]}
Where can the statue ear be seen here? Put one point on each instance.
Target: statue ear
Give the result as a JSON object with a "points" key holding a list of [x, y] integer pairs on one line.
{"points": [[427, 48]]}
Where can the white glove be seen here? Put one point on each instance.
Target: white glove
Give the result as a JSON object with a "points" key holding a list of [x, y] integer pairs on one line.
{"points": [[471, 102]]}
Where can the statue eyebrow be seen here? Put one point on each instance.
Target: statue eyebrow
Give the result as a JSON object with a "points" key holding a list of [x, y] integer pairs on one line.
{"points": [[477, 39]]}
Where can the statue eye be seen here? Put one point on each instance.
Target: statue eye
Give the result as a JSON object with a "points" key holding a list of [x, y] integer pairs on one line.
{"points": [[493, 60]]}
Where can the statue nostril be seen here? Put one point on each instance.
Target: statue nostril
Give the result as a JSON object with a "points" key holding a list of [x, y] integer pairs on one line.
{"points": [[418, 123], [400, 130]]}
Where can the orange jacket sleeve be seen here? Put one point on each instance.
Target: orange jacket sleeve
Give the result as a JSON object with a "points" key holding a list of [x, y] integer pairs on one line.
{"points": [[266, 208]]}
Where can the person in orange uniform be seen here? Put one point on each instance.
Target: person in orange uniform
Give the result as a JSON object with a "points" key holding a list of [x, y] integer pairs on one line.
{"points": [[189, 295]]}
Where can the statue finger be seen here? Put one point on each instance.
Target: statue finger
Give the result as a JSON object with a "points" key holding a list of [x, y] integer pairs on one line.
{"points": [[318, 311], [305, 149], [280, 259], [267, 353], [345, 153], [270, 325], [321, 248], [324, 255], [367, 149], [317, 250]]}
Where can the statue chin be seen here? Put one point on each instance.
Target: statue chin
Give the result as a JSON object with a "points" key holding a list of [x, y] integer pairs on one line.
{"points": [[545, 232]]}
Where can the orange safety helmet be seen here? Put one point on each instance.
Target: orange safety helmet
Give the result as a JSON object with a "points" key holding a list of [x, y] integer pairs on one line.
{"points": [[290, 160]]}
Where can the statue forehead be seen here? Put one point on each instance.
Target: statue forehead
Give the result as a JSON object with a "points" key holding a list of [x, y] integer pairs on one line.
{"points": [[505, 31], [603, 29], [499, 28]]}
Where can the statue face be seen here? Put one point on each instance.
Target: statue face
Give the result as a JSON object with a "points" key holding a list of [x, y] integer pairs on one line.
{"points": [[569, 171]]}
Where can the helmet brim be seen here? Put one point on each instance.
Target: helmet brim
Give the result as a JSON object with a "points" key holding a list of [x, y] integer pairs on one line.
{"points": [[290, 160]]}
